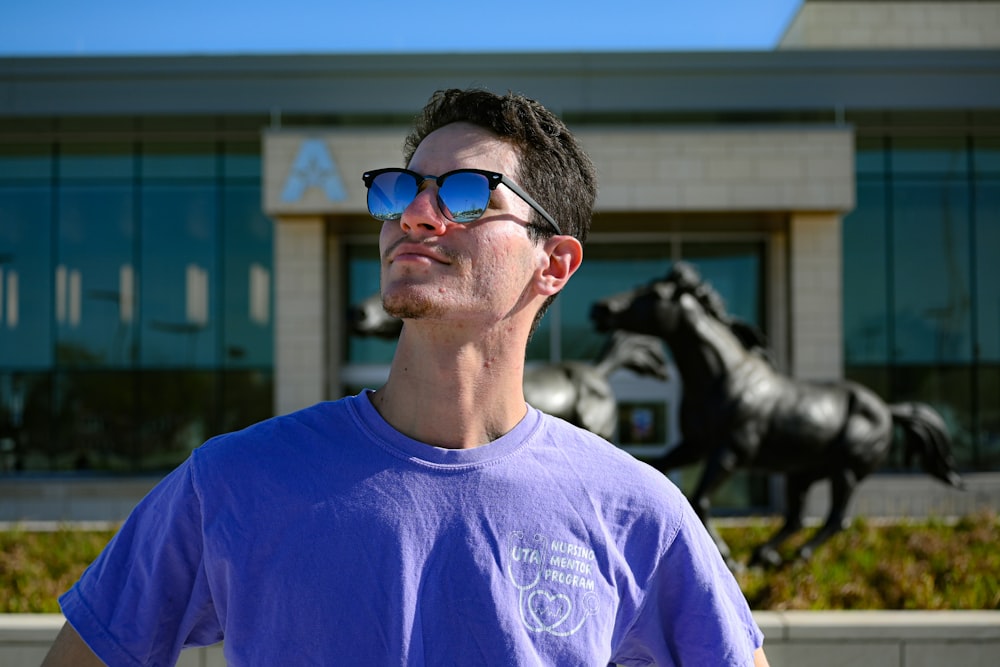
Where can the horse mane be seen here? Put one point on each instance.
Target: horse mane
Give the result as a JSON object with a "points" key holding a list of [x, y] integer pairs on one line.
{"points": [[687, 280]]}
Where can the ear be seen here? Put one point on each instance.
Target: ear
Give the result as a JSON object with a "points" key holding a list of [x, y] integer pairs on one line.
{"points": [[563, 254]]}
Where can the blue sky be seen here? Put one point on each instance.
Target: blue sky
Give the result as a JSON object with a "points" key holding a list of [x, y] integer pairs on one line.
{"points": [[144, 27]]}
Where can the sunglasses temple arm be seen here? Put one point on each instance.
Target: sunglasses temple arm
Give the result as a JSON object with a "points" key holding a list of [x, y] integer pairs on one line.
{"points": [[531, 202]]}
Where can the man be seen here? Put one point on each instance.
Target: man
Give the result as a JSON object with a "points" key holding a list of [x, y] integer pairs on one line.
{"points": [[437, 520]]}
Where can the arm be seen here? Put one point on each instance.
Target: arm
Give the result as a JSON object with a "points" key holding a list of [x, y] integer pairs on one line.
{"points": [[759, 659], [69, 650]]}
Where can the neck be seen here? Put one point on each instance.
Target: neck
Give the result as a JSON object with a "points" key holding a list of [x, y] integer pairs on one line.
{"points": [[450, 392]]}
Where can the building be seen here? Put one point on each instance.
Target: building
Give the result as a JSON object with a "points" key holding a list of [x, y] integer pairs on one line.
{"points": [[180, 237]]}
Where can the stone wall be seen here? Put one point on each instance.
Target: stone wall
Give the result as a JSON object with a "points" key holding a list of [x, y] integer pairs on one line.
{"points": [[795, 638]]}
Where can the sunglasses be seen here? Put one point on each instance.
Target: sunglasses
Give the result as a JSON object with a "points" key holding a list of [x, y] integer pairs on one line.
{"points": [[462, 195]]}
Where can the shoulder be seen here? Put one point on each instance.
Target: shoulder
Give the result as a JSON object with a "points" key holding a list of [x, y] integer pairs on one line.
{"points": [[286, 440], [313, 421], [607, 470]]}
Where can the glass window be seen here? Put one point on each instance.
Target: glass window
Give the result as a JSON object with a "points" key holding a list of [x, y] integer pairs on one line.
{"points": [[733, 270], [102, 273], [947, 389], [865, 293], [95, 413], [178, 124], [241, 160], [94, 124], [178, 160], [940, 121], [869, 156], [988, 270], [25, 277], [930, 155], [247, 398], [931, 292], [88, 162], [25, 162], [986, 155], [988, 395], [95, 278], [248, 279], [608, 269], [178, 411], [363, 283], [179, 283], [25, 421], [872, 376]]}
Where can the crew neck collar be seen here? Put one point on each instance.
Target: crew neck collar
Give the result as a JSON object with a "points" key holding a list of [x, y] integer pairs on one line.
{"points": [[419, 452]]}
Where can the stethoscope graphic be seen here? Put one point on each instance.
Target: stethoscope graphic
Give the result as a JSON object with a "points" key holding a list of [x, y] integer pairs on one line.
{"points": [[540, 610]]}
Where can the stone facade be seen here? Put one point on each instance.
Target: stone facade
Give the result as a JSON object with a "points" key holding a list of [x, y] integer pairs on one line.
{"points": [[822, 24]]}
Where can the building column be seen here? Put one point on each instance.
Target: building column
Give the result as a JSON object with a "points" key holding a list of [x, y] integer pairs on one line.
{"points": [[815, 290], [300, 368]]}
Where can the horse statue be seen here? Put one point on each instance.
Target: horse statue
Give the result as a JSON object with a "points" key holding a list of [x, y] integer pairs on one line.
{"points": [[576, 391], [737, 411]]}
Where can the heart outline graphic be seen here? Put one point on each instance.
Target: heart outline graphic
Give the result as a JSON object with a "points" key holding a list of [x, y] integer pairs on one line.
{"points": [[561, 603]]}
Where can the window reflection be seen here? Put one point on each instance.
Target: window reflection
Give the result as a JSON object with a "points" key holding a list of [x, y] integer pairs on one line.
{"points": [[179, 250], [986, 156], [179, 411], [609, 268], [363, 282], [246, 398], [178, 161], [94, 276], [117, 255], [247, 279], [25, 420], [987, 446], [865, 304], [95, 425], [96, 162], [949, 390], [921, 228], [735, 271], [944, 156], [25, 277], [869, 156], [987, 244], [931, 289], [25, 163]]}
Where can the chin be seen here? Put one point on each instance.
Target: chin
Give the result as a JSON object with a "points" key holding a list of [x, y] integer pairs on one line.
{"points": [[407, 305]]}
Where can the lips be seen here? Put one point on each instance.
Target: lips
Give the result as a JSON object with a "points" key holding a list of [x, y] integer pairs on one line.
{"points": [[416, 252]]}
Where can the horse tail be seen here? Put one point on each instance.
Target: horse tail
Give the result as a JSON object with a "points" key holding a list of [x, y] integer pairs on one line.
{"points": [[926, 434]]}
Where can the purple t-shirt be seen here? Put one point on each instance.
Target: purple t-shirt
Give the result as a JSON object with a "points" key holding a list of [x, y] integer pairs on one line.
{"points": [[327, 537]]}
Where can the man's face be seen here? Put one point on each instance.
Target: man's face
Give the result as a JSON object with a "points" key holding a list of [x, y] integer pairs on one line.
{"points": [[435, 268]]}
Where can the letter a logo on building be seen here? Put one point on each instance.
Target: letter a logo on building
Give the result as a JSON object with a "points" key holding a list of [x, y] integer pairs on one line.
{"points": [[313, 168]]}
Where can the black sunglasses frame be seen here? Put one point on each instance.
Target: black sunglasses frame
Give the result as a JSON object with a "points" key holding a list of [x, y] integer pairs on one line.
{"points": [[493, 179]]}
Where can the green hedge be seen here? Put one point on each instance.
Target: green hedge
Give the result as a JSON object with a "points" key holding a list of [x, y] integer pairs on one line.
{"points": [[905, 565], [929, 564]]}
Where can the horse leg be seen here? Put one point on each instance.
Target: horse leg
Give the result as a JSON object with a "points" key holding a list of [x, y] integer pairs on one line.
{"points": [[796, 488], [843, 484], [718, 469]]}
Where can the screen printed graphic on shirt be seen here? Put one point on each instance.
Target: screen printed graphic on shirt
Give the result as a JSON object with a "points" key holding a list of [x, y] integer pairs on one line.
{"points": [[556, 580]]}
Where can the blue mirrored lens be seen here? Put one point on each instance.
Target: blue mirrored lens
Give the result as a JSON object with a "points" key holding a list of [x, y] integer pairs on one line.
{"points": [[463, 197], [390, 193]]}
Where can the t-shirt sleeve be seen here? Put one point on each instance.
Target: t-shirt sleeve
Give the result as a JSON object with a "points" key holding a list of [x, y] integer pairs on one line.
{"points": [[146, 595], [694, 612]]}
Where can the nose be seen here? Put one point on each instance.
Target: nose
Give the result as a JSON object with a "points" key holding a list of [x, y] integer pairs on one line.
{"points": [[423, 215]]}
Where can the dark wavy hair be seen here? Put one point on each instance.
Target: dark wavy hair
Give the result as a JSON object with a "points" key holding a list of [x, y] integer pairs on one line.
{"points": [[553, 167]]}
